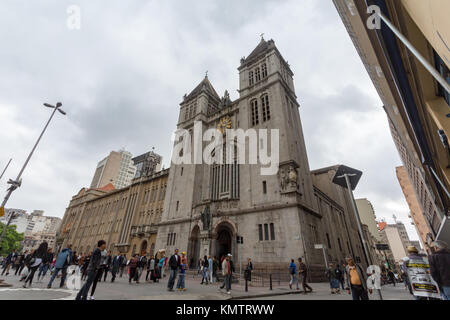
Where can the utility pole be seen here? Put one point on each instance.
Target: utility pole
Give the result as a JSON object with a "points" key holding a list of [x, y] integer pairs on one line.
{"points": [[18, 182]]}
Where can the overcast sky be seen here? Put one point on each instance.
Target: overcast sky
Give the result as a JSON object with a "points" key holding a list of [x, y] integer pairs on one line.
{"points": [[122, 76]]}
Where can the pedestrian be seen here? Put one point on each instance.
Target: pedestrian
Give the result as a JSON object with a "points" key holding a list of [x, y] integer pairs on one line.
{"points": [[210, 269], [142, 264], [293, 274], [181, 285], [107, 265], [333, 278], [248, 270], [63, 261], [205, 265], [162, 265], [123, 264], [115, 266], [174, 265], [21, 260], [150, 268], [440, 267], [356, 280], [101, 270], [132, 267], [45, 265], [84, 269], [10, 259], [156, 274], [36, 260], [227, 272], [92, 269], [303, 273], [391, 277]]}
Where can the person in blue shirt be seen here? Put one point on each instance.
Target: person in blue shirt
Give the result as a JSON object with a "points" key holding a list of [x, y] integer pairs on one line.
{"points": [[293, 274], [182, 274]]}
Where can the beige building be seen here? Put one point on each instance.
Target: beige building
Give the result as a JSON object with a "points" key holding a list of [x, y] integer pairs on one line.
{"points": [[117, 169], [33, 240], [280, 217], [416, 213], [368, 217], [416, 101], [125, 218], [396, 236]]}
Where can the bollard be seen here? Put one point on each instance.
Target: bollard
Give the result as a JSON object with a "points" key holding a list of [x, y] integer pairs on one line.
{"points": [[246, 285], [271, 282]]}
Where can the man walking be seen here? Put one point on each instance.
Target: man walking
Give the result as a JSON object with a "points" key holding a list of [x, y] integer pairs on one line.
{"points": [[92, 270], [210, 269], [227, 272], [123, 264], [115, 266], [303, 273], [293, 274], [174, 265], [21, 264], [356, 280], [440, 267], [43, 268], [62, 262], [10, 259]]}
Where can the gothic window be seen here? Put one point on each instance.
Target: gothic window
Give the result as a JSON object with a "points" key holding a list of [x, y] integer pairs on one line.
{"points": [[339, 242], [264, 184], [178, 203], [260, 232], [272, 231], [186, 113], [264, 70], [250, 78], [266, 231], [265, 108], [224, 177], [328, 240], [255, 116], [257, 74]]}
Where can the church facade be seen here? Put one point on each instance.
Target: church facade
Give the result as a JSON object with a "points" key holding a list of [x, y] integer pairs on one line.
{"points": [[279, 217]]}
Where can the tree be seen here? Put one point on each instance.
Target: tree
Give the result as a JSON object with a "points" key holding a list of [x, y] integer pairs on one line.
{"points": [[11, 241]]}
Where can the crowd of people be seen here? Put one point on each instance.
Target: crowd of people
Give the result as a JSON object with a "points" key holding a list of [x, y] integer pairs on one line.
{"points": [[95, 267]]}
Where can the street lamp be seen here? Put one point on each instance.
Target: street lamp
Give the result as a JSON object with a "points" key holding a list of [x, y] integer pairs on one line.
{"points": [[348, 178], [18, 181]]}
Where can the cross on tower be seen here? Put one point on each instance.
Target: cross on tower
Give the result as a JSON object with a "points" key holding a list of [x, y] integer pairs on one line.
{"points": [[262, 36]]}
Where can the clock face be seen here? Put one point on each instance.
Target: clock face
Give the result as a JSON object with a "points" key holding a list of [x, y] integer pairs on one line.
{"points": [[224, 123]]}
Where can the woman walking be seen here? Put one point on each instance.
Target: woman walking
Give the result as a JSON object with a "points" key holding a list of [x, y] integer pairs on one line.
{"points": [[133, 265], [333, 277], [248, 270], [205, 265], [36, 260], [150, 268]]}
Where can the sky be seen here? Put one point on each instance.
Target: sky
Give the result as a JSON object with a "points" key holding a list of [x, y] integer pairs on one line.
{"points": [[122, 75]]}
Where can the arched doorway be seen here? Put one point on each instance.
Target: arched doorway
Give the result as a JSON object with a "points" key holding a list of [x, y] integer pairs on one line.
{"points": [[223, 242], [143, 248], [194, 248]]}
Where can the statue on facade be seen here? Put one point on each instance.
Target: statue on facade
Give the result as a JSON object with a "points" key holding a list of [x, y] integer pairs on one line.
{"points": [[225, 101], [206, 218], [292, 175]]}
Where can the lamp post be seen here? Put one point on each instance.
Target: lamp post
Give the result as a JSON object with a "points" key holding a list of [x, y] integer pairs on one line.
{"points": [[4, 170], [351, 177], [17, 183]]}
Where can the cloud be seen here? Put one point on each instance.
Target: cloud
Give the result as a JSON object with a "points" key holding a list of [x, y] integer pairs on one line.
{"points": [[122, 76]]}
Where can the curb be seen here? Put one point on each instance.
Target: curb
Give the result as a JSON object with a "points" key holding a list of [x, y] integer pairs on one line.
{"points": [[262, 295]]}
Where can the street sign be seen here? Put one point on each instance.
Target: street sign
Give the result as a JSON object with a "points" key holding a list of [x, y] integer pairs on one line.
{"points": [[382, 246], [318, 246], [2, 211]]}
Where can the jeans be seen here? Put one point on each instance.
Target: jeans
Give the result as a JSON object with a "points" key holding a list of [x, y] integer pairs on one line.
{"points": [[82, 294], [172, 277], [294, 279], [227, 282], [210, 273], [445, 293], [31, 274], [205, 275], [98, 277], [63, 277], [358, 293], [43, 270], [180, 283]]}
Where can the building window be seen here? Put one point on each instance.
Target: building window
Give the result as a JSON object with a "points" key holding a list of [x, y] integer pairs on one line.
{"points": [[266, 231], [182, 171], [251, 81], [257, 74], [260, 232], [255, 116], [265, 108], [264, 70], [328, 240], [264, 184], [339, 243], [272, 232], [178, 203]]}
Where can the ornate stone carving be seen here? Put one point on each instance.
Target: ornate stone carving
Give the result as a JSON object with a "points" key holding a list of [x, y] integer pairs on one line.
{"points": [[206, 218], [288, 177]]}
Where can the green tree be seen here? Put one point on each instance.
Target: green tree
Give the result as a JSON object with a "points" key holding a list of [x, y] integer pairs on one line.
{"points": [[12, 240]]}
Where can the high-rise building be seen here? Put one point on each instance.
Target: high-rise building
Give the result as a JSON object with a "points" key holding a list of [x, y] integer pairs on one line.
{"points": [[412, 79], [396, 236], [117, 169], [146, 164], [416, 212], [368, 217]]}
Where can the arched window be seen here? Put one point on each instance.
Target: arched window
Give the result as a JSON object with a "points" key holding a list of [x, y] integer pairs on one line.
{"points": [[265, 108], [254, 109], [251, 80], [264, 70], [257, 74]]}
